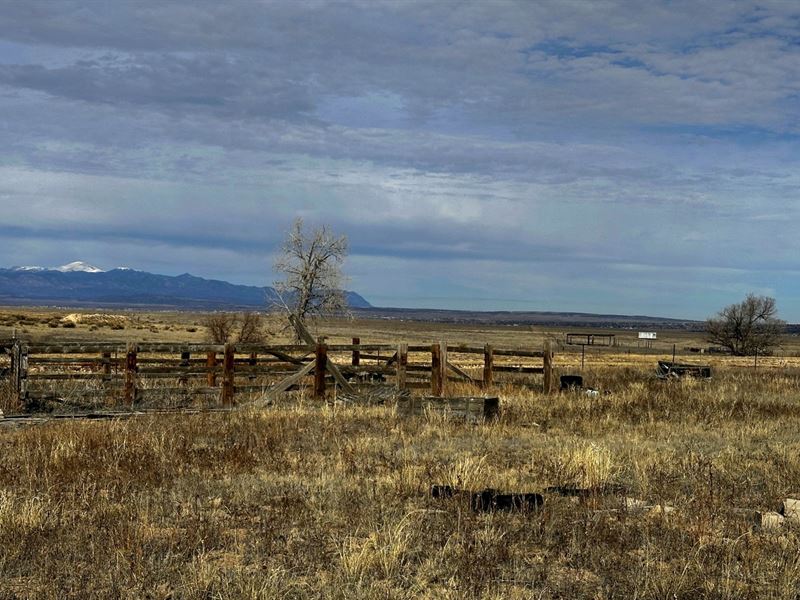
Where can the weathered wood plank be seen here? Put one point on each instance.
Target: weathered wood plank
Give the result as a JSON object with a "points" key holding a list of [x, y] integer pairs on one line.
{"points": [[460, 372], [334, 370], [471, 408], [294, 378], [518, 369], [402, 363], [228, 376]]}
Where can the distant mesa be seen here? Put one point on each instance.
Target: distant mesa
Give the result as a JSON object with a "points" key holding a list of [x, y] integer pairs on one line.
{"points": [[82, 284]]}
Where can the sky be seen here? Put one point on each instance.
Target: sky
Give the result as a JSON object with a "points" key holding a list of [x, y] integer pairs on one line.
{"points": [[599, 156]]}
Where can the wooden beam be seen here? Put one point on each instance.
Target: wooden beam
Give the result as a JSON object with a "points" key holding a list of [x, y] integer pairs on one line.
{"points": [[19, 363], [130, 375], [548, 368], [228, 376], [488, 364], [356, 360], [460, 372], [185, 358], [438, 368], [402, 363], [292, 379], [304, 335], [320, 366], [211, 364]]}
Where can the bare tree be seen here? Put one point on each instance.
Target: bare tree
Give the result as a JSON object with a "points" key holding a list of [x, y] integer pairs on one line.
{"points": [[220, 327], [749, 327], [247, 328], [251, 329], [310, 266]]}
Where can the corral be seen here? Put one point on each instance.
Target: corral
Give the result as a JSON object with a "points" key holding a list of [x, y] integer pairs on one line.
{"points": [[676, 488]]}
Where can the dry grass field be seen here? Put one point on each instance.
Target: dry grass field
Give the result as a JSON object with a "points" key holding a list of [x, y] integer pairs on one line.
{"points": [[311, 500]]}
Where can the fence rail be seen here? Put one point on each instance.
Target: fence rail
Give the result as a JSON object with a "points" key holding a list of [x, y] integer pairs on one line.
{"points": [[127, 374]]}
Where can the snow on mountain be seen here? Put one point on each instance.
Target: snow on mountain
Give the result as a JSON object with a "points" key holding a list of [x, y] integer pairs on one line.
{"points": [[30, 269], [79, 266]]}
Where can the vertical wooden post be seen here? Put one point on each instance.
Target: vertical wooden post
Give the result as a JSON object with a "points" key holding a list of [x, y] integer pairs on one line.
{"points": [[186, 357], [402, 362], [548, 368], [13, 391], [130, 375], [320, 369], [356, 353], [252, 362], [228, 376], [211, 363], [106, 362], [19, 360], [488, 365], [438, 368]]}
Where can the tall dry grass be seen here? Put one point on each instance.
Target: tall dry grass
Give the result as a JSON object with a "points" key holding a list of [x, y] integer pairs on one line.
{"points": [[318, 501]]}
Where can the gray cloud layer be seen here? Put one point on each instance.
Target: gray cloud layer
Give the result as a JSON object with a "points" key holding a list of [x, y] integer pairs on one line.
{"points": [[582, 155]]}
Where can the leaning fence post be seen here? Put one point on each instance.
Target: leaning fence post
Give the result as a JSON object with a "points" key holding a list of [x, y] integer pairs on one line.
{"points": [[130, 374], [438, 368], [548, 368], [488, 365], [228, 376], [320, 368], [356, 352], [402, 362]]}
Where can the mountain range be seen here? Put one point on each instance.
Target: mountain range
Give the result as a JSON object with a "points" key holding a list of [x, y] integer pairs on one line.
{"points": [[79, 283]]}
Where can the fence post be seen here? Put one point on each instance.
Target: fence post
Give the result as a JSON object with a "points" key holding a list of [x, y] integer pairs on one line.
{"points": [[130, 374], [548, 368], [320, 369], [402, 362], [488, 365], [186, 357], [356, 353], [438, 368], [19, 359], [252, 362], [106, 362], [211, 363], [228, 376]]}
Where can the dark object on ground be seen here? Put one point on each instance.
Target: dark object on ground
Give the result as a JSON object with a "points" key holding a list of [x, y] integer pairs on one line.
{"points": [[571, 382], [472, 408], [671, 370], [366, 377], [443, 491], [602, 490], [490, 500]]}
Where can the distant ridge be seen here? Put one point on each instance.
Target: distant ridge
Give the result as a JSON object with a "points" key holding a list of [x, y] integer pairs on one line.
{"points": [[82, 284], [528, 318]]}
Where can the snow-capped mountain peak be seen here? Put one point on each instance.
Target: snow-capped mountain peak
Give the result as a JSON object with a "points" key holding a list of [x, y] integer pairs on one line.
{"points": [[79, 266], [30, 269]]}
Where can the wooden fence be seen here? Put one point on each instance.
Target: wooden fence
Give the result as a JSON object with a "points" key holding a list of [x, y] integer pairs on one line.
{"points": [[129, 374]]}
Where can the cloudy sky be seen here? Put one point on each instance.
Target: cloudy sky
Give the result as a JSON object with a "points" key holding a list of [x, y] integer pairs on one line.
{"points": [[598, 156]]}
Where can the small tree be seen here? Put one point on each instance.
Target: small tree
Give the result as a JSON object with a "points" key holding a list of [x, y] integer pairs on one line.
{"points": [[310, 266], [247, 328], [220, 327], [749, 327], [251, 329]]}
